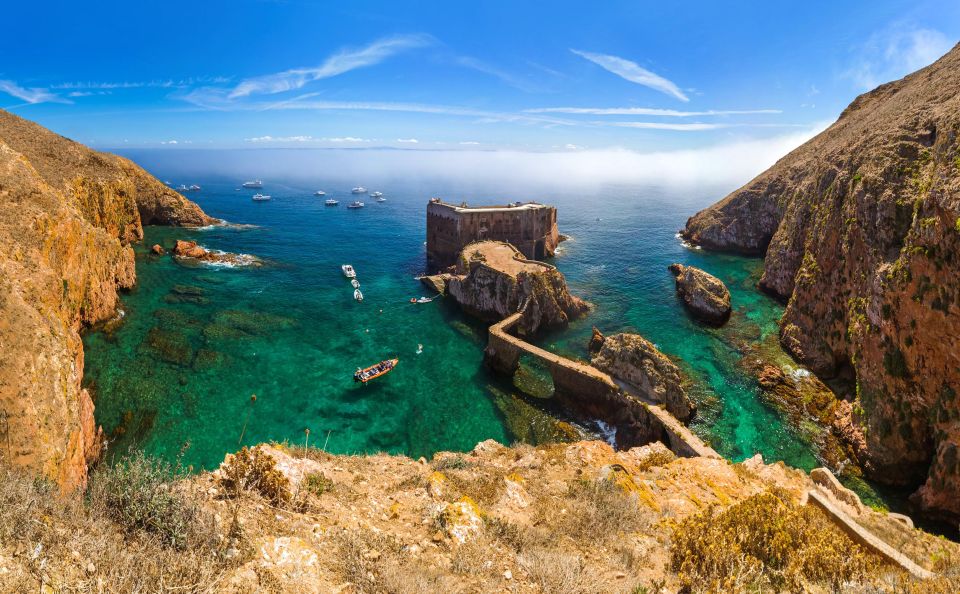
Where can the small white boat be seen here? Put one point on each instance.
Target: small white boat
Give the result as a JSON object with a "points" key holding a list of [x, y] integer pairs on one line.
{"points": [[359, 190], [355, 283], [182, 188], [419, 348], [253, 185], [381, 199], [331, 202], [357, 295], [355, 204], [319, 193], [194, 188], [258, 197], [348, 271], [168, 183], [376, 194]]}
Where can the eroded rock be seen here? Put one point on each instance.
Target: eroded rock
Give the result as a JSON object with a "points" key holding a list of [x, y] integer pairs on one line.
{"points": [[704, 295]]}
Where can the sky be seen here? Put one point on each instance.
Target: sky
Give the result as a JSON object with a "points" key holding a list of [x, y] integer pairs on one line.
{"points": [[605, 77]]}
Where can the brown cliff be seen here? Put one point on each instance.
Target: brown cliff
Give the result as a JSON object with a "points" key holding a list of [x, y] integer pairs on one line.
{"points": [[69, 214], [861, 231], [493, 279]]}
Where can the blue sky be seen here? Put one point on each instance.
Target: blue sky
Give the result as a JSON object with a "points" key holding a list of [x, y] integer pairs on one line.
{"points": [[533, 76]]}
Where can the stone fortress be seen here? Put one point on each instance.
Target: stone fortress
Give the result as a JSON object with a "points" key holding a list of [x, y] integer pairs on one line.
{"points": [[530, 227]]}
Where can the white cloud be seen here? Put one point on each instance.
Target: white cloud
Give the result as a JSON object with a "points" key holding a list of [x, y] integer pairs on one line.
{"points": [[647, 111], [634, 73], [571, 147], [346, 139], [469, 143], [280, 139], [30, 95], [168, 142], [157, 83], [408, 140], [695, 127], [506, 77], [895, 52], [343, 61]]}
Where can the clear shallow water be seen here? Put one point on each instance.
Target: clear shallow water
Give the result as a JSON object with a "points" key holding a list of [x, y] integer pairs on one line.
{"points": [[176, 377]]}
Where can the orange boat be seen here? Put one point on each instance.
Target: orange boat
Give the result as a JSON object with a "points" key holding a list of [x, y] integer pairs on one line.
{"points": [[375, 371]]}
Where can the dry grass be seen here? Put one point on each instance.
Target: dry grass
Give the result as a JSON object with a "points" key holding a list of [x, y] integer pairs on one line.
{"points": [[75, 545], [766, 543], [377, 564], [251, 469], [593, 511]]}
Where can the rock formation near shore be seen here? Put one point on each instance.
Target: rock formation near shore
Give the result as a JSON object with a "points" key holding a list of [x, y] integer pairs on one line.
{"points": [[69, 216], [190, 250], [635, 360], [492, 280], [704, 295], [861, 232]]}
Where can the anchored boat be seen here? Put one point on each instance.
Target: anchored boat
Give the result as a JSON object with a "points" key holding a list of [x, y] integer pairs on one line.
{"points": [[375, 371], [357, 295], [348, 271]]}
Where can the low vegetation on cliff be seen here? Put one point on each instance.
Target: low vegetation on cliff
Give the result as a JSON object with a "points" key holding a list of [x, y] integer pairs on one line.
{"points": [[577, 518]]}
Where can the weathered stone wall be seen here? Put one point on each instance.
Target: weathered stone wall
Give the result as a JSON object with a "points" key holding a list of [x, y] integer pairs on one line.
{"points": [[530, 228]]}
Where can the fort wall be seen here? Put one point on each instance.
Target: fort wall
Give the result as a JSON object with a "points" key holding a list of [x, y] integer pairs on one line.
{"points": [[530, 227]]}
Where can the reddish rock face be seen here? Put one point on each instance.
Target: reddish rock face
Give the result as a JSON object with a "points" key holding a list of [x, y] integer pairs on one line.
{"points": [[190, 249], [157, 249], [860, 228], [64, 253]]}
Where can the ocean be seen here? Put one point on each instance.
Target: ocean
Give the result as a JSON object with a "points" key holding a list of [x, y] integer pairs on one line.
{"points": [[177, 376]]}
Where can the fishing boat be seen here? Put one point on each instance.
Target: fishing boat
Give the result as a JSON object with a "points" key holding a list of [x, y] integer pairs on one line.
{"points": [[258, 197], [357, 295], [359, 190], [319, 193], [355, 204], [331, 202], [355, 283], [253, 185], [375, 371], [348, 271]]}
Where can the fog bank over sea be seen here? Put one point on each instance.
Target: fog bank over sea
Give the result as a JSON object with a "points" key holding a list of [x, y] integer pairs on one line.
{"points": [[724, 165]]}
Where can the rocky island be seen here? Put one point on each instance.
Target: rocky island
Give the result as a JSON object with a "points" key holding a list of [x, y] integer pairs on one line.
{"points": [[704, 295], [860, 230]]}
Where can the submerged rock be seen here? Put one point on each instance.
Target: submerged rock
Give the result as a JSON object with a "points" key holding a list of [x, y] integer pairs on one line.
{"points": [[172, 347], [704, 295], [636, 361], [492, 280]]}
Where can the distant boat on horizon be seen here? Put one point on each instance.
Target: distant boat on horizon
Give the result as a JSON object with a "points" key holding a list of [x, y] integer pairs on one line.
{"points": [[359, 190], [319, 193], [183, 188], [376, 194], [194, 188], [355, 204], [258, 197], [253, 185], [331, 202]]}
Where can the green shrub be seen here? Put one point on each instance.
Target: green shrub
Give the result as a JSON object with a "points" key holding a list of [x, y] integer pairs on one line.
{"points": [[138, 493], [317, 483]]}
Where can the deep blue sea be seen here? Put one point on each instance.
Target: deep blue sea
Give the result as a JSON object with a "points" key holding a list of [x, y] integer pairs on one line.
{"points": [[177, 376]]}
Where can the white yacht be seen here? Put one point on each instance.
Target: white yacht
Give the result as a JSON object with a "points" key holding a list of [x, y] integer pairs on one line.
{"points": [[348, 271], [355, 204], [258, 197], [319, 193], [194, 188], [359, 190], [253, 185], [331, 202], [182, 188], [355, 283], [376, 194], [357, 295], [381, 199]]}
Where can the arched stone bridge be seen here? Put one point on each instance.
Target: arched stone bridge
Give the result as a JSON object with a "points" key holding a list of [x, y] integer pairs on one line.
{"points": [[596, 394]]}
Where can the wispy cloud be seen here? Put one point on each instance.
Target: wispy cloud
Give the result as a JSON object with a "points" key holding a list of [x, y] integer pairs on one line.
{"points": [[895, 52], [269, 138], [696, 127], [634, 73], [156, 83], [343, 61], [408, 140], [506, 77], [31, 95], [646, 111], [469, 143]]}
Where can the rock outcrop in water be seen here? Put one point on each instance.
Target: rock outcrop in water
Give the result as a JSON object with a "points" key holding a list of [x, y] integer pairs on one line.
{"points": [[635, 360], [190, 250], [69, 215], [492, 280], [860, 228], [704, 295]]}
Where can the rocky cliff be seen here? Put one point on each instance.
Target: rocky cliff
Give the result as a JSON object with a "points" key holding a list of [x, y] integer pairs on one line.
{"points": [[492, 280], [69, 215], [860, 228]]}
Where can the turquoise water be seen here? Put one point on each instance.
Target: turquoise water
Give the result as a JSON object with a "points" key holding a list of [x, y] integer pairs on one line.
{"points": [[176, 377]]}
